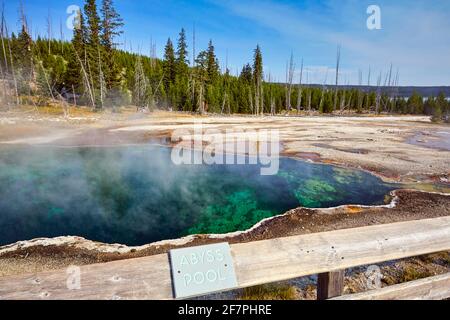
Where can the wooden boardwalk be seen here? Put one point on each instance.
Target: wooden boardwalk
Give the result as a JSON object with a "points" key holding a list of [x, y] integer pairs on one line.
{"points": [[259, 263]]}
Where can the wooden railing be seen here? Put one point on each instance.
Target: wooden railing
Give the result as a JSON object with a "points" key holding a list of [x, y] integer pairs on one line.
{"points": [[257, 263]]}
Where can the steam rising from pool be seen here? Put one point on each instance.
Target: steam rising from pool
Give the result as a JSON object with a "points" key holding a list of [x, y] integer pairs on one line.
{"points": [[136, 195]]}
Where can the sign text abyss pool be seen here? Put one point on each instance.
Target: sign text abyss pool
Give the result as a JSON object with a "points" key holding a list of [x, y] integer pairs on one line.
{"points": [[202, 270]]}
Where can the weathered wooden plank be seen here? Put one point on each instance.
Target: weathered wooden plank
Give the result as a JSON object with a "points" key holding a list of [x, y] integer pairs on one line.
{"points": [[288, 258], [255, 263], [330, 284], [142, 278], [433, 288]]}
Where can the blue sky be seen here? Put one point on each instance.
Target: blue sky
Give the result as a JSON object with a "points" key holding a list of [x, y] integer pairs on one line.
{"points": [[414, 35]]}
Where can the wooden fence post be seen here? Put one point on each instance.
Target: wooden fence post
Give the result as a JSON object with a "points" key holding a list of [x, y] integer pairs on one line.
{"points": [[330, 285]]}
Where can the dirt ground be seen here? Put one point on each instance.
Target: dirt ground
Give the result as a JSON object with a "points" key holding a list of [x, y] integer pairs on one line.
{"points": [[408, 149]]}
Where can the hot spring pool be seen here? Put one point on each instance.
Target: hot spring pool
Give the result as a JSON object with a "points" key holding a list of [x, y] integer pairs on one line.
{"points": [[136, 195]]}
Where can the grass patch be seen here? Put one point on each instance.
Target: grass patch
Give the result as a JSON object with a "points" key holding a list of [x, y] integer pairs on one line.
{"points": [[446, 257], [269, 292], [442, 259], [414, 273]]}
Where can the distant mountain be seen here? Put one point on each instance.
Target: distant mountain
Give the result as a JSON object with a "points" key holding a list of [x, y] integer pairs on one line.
{"points": [[402, 91]]}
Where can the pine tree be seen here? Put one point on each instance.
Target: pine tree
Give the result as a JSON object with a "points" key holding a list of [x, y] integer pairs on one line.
{"points": [[77, 54], [246, 74], [430, 105], [169, 64], [111, 28], [182, 94], [257, 65], [437, 114], [441, 109], [415, 103], [93, 42], [24, 46], [80, 35], [92, 65], [258, 79], [182, 55], [212, 67]]}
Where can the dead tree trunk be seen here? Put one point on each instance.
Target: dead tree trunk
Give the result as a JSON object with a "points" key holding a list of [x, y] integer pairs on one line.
{"points": [[250, 99], [324, 89], [262, 99], [368, 90], [86, 82], [13, 71], [300, 91], [290, 79], [2, 34], [309, 93], [338, 62], [378, 97], [101, 80], [74, 96]]}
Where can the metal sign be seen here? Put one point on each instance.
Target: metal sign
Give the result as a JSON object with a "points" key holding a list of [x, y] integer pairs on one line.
{"points": [[202, 270]]}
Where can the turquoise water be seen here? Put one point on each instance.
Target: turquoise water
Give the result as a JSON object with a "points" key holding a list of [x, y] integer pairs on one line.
{"points": [[136, 195]]}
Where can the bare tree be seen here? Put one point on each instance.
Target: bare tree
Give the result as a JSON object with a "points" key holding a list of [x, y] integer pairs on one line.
{"points": [[140, 84], [201, 99], [25, 27], [324, 90], [338, 63], [2, 35], [194, 63], [343, 99], [395, 89], [102, 81], [368, 89], [23, 18], [388, 86], [5, 71], [155, 92], [286, 90], [300, 91], [152, 54], [290, 79], [360, 95], [378, 97], [49, 32], [308, 93], [86, 79], [272, 105], [271, 98], [47, 80], [74, 95], [348, 103], [262, 99], [61, 35], [13, 71], [225, 83], [193, 45], [250, 97]]}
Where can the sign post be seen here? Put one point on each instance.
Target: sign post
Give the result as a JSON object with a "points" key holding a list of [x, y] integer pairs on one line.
{"points": [[202, 270]]}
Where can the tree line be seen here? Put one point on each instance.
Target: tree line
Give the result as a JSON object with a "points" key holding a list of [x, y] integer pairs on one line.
{"points": [[91, 70]]}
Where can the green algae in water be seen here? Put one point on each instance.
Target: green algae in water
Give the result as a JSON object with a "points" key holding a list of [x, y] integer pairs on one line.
{"points": [[239, 212], [135, 195]]}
